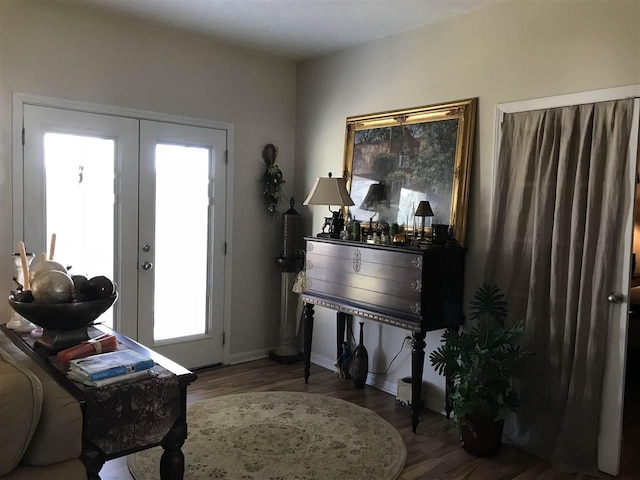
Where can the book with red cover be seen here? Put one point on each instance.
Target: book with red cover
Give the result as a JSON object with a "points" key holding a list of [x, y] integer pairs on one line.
{"points": [[103, 343]]}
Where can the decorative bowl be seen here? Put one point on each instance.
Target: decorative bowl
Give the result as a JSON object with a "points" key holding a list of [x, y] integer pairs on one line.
{"points": [[63, 316]]}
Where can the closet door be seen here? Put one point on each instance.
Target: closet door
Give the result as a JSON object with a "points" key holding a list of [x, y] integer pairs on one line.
{"points": [[80, 176], [613, 386], [616, 296]]}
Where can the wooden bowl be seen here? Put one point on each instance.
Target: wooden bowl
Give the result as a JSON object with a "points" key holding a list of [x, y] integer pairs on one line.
{"points": [[63, 316]]}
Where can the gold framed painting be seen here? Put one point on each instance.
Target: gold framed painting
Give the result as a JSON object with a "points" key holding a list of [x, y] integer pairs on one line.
{"points": [[393, 160]]}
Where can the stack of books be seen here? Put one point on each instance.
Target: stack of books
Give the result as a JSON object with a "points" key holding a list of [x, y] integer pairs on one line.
{"points": [[106, 368]]}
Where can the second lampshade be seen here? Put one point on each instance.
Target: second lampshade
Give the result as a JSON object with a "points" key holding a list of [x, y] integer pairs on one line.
{"points": [[423, 210]]}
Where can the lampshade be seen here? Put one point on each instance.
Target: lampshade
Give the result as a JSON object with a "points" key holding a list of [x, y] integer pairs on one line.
{"points": [[375, 197], [329, 191], [424, 209]]}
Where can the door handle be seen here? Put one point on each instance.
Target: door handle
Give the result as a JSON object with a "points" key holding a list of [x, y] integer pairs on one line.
{"points": [[147, 266], [615, 297]]}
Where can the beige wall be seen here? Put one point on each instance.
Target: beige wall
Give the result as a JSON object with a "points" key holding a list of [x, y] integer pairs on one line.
{"points": [[67, 53], [511, 51]]}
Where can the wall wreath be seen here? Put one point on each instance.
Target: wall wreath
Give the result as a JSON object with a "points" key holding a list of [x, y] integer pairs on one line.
{"points": [[272, 179]]}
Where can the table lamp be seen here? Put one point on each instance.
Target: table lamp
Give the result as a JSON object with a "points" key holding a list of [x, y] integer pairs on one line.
{"points": [[375, 198], [330, 191], [423, 210]]}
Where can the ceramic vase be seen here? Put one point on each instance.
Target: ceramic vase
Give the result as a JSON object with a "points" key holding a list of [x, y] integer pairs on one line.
{"points": [[18, 322], [360, 362]]}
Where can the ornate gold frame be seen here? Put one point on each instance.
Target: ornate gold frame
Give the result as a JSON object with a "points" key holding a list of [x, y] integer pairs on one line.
{"points": [[463, 110]]}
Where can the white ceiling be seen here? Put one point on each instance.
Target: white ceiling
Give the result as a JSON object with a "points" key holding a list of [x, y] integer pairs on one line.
{"points": [[296, 29]]}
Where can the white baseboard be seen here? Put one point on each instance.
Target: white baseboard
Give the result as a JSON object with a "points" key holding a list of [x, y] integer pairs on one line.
{"points": [[324, 362], [433, 404], [249, 356]]}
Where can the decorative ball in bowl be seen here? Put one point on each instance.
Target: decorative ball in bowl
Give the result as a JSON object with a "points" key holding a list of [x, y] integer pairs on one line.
{"points": [[63, 316], [63, 324]]}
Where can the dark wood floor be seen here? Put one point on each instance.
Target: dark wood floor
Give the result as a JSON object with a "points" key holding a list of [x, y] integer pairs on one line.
{"points": [[433, 453]]}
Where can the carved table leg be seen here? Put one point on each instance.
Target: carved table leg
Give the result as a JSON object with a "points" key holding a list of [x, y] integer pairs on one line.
{"points": [[308, 335], [417, 365], [172, 460], [93, 461]]}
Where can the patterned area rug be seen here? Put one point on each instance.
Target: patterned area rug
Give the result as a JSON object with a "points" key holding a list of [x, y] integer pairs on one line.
{"points": [[282, 436]]}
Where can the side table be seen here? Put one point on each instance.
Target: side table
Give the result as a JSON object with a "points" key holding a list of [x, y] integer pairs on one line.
{"points": [[129, 416]]}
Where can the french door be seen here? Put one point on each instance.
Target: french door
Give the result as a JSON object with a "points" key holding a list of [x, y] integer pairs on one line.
{"points": [[143, 203], [181, 241]]}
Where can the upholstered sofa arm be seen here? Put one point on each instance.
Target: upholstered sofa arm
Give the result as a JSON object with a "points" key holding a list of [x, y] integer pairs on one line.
{"points": [[57, 435], [21, 397]]}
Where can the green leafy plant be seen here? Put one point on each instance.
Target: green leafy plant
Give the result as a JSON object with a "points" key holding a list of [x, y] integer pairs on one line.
{"points": [[480, 362]]}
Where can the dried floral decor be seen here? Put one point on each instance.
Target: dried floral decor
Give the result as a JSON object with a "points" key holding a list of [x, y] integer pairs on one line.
{"points": [[272, 179]]}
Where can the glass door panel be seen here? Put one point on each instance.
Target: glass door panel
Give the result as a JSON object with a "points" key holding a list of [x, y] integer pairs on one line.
{"points": [[79, 203], [182, 239], [80, 181]]}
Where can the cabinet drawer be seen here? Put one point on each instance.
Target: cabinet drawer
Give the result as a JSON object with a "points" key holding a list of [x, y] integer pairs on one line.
{"points": [[421, 289], [388, 280], [410, 260], [405, 283]]}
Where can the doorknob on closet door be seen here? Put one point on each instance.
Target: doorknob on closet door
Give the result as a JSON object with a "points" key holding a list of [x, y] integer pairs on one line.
{"points": [[615, 297], [147, 266]]}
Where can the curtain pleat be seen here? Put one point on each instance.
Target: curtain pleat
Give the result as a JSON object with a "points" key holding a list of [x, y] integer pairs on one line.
{"points": [[557, 212]]}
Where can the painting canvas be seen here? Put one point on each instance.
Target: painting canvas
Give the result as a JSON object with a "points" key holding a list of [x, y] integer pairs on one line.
{"points": [[417, 154], [415, 162]]}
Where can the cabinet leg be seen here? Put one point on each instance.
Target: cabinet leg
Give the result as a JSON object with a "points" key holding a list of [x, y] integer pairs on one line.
{"points": [[448, 405], [417, 365], [448, 390], [342, 324], [308, 336]]}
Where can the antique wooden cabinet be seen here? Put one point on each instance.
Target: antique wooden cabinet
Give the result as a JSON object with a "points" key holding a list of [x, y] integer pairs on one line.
{"points": [[415, 289]]}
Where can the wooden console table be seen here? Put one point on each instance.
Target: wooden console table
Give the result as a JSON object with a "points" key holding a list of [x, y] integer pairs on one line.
{"points": [[129, 416], [415, 289]]}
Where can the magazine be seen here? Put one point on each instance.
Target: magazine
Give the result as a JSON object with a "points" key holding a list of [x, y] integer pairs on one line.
{"points": [[109, 380], [110, 364]]}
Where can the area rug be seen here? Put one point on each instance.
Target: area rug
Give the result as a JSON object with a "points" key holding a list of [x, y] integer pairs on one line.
{"points": [[282, 436]]}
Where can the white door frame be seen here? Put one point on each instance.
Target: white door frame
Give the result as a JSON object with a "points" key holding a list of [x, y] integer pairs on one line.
{"points": [[21, 99], [609, 440]]}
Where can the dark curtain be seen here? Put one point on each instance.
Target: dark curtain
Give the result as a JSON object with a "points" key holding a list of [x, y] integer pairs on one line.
{"points": [[556, 223]]}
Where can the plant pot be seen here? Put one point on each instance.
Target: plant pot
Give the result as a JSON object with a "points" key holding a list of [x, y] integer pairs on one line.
{"points": [[482, 436], [405, 393]]}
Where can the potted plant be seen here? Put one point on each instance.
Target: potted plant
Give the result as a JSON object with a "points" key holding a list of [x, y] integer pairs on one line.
{"points": [[479, 364]]}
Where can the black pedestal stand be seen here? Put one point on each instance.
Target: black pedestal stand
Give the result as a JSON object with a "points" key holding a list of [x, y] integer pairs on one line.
{"points": [[284, 359], [287, 351]]}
